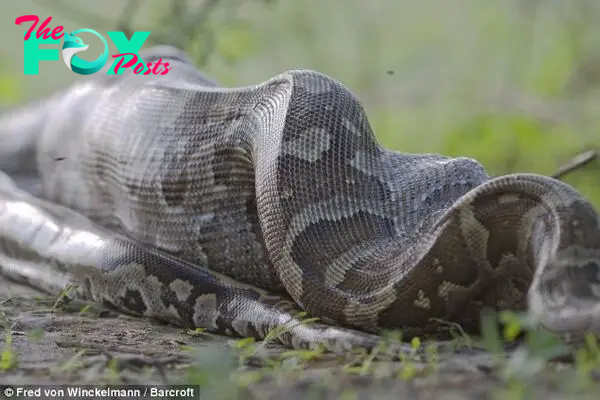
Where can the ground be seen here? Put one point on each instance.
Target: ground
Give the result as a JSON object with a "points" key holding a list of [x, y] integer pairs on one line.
{"points": [[46, 342]]}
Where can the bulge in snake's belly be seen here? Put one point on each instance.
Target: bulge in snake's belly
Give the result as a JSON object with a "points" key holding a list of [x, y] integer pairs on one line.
{"points": [[185, 192], [212, 223]]}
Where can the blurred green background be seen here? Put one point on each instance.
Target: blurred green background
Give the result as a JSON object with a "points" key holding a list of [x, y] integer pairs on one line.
{"points": [[513, 83]]}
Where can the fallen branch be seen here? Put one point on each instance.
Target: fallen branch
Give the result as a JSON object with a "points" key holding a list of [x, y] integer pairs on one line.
{"points": [[576, 162]]}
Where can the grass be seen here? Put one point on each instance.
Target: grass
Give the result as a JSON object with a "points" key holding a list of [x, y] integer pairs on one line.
{"points": [[515, 370], [230, 373]]}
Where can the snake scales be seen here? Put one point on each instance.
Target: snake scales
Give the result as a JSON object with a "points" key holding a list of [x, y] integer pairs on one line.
{"points": [[233, 209]]}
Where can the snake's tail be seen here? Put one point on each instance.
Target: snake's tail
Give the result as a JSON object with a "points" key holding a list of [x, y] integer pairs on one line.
{"points": [[131, 278]]}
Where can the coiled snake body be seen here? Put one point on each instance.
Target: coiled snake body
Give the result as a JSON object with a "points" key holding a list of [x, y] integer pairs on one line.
{"points": [[233, 209]]}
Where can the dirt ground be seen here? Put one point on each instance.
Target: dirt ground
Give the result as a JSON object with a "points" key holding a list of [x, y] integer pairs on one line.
{"points": [[75, 346]]}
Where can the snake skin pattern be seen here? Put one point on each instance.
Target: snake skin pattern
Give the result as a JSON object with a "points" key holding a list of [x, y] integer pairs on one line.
{"points": [[235, 209]]}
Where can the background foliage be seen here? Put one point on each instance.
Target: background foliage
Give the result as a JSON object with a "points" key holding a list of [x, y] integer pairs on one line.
{"points": [[513, 83]]}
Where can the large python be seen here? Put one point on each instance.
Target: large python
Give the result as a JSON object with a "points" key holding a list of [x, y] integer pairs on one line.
{"points": [[171, 197]]}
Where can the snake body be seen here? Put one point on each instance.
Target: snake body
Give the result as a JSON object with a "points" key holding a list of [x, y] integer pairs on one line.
{"points": [[233, 209]]}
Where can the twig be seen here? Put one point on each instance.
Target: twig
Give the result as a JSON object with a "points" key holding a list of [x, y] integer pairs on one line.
{"points": [[576, 162]]}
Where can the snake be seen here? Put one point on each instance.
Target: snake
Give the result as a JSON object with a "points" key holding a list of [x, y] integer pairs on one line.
{"points": [[242, 210]]}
